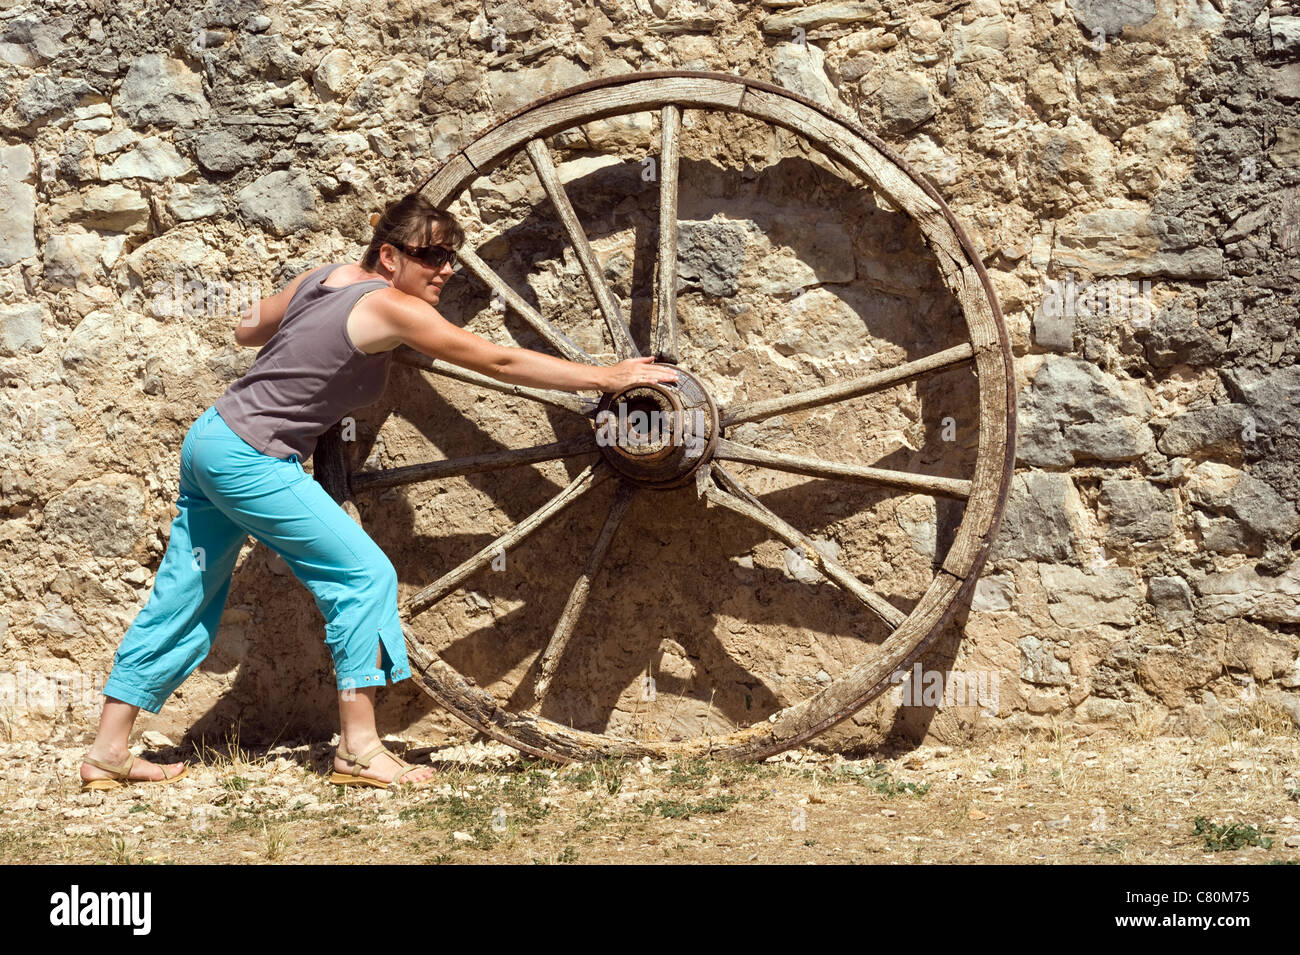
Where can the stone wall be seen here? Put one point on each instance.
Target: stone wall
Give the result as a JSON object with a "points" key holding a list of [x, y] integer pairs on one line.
{"points": [[1127, 169]]}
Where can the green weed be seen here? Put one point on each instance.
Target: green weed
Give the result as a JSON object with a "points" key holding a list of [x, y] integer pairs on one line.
{"points": [[677, 809], [1230, 837]]}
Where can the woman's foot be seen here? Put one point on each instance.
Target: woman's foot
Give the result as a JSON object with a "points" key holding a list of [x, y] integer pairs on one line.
{"points": [[141, 770], [383, 767]]}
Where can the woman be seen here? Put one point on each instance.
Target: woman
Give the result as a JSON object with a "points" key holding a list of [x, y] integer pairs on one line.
{"points": [[329, 336]]}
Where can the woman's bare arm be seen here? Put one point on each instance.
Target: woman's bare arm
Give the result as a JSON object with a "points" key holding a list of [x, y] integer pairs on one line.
{"points": [[418, 324], [259, 322]]}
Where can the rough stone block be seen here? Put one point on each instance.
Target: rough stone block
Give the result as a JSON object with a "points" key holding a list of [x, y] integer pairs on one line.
{"points": [[1036, 523], [1138, 511], [1039, 665], [161, 91], [1079, 600]]}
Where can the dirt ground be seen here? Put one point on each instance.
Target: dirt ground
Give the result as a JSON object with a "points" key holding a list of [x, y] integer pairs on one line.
{"points": [[1126, 796]]}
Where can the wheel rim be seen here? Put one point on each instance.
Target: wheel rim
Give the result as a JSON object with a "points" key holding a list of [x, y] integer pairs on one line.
{"points": [[700, 461]]}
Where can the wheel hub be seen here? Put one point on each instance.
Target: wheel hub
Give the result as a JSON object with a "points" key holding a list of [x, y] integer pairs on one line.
{"points": [[657, 435]]}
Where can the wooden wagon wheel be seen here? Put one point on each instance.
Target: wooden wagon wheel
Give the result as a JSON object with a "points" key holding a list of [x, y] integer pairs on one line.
{"points": [[703, 457]]}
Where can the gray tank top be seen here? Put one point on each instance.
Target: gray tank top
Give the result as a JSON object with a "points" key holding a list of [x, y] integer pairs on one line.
{"points": [[308, 375]]}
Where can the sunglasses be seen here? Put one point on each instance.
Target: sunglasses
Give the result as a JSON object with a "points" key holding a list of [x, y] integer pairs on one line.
{"points": [[434, 256]]}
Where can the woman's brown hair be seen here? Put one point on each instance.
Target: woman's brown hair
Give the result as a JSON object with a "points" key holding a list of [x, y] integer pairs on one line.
{"points": [[411, 220]]}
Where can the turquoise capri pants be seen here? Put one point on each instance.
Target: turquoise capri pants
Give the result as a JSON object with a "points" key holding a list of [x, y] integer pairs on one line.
{"points": [[228, 490]]}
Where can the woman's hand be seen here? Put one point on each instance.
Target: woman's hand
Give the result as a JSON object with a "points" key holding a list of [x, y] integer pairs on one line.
{"points": [[636, 371]]}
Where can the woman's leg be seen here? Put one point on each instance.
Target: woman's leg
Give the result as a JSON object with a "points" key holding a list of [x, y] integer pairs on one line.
{"points": [[351, 579], [175, 630], [110, 746], [358, 735]]}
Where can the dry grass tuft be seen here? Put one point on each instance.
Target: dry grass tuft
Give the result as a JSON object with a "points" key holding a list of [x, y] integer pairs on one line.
{"points": [[1147, 723], [229, 757]]}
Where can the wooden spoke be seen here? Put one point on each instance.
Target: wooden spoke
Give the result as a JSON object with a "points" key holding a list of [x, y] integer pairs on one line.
{"points": [[554, 337], [815, 467], [457, 467], [841, 391], [732, 495], [559, 399], [664, 337], [577, 601], [588, 478], [624, 347]]}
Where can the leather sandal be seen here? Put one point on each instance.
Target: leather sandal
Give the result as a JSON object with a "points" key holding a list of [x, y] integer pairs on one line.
{"points": [[363, 762], [121, 774]]}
